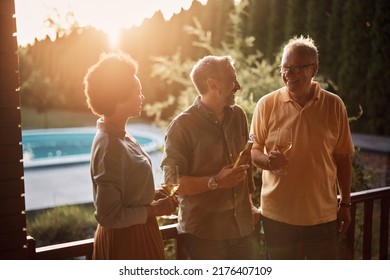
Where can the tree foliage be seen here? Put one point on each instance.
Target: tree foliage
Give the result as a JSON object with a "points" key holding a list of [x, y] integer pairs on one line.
{"points": [[259, 10], [352, 36], [378, 76], [276, 27], [318, 13], [332, 49], [355, 41], [255, 74], [296, 15]]}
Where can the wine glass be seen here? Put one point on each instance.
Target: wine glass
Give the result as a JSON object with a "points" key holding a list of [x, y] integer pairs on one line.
{"points": [[283, 144], [170, 183]]}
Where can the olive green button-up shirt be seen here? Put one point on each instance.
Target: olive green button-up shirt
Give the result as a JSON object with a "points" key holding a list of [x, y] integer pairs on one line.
{"points": [[201, 146]]}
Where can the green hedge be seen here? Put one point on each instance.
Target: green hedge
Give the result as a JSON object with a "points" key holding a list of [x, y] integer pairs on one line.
{"points": [[61, 224]]}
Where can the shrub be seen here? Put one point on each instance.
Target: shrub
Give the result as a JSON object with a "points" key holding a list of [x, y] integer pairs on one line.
{"points": [[61, 224]]}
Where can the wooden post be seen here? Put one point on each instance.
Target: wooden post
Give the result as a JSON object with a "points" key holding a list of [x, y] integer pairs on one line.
{"points": [[13, 239]]}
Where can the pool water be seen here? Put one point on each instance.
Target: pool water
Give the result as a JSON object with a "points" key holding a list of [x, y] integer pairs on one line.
{"points": [[59, 146], [37, 146]]}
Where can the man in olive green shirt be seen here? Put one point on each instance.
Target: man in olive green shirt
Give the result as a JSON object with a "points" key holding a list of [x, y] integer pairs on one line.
{"points": [[215, 210]]}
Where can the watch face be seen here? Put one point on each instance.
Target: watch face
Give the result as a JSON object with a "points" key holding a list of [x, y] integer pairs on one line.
{"points": [[212, 184]]}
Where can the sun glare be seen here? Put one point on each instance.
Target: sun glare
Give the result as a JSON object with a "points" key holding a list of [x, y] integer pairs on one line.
{"points": [[108, 15], [113, 37]]}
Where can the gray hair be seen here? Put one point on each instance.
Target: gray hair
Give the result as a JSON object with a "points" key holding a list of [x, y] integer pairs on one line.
{"points": [[210, 66], [306, 44]]}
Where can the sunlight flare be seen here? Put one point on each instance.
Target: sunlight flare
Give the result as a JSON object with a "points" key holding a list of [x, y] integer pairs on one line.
{"points": [[108, 16]]}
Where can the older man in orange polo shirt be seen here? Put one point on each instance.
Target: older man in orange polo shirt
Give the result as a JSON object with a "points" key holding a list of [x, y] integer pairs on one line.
{"points": [[301, 206]]}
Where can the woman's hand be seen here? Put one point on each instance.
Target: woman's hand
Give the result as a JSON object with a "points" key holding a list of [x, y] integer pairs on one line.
{"points": [[160, 193], [162, 206], [255, 215]]}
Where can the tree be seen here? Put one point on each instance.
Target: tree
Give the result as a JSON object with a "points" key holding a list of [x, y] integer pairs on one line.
{"points": [[318, 13], [295, 22], [43, 93], [276, 28], [256, 75], [378, 77], [353, 50], [331, 55], [216, 19], [255, 17], [356, 52]]}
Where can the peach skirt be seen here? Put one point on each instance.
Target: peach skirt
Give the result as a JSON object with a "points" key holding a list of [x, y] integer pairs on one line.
{"points": [[138, 242]]}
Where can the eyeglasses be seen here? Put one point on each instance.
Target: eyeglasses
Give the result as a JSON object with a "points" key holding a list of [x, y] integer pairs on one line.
{"points": [[293, 69]]}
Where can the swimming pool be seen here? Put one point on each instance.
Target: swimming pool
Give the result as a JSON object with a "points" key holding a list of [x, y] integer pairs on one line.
{"points": [[69, 145]]}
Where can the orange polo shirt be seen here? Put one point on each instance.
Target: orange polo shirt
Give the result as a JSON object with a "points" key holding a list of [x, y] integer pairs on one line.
{"points": [[307, 195]]}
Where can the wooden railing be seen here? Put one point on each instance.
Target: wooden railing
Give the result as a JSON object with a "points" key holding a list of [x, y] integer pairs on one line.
{"points": [[362, 202], [83, 248]]}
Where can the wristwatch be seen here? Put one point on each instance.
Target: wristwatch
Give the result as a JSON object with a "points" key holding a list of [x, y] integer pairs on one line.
{"points": [[213, 185]]}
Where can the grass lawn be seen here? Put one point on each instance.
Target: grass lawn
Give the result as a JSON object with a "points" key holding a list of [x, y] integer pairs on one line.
{"points": [[31, 119]]}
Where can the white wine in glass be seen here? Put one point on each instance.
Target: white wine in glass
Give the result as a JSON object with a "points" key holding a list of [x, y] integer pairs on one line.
{"points": [[170, 188], [283, 144], [170, 183]]}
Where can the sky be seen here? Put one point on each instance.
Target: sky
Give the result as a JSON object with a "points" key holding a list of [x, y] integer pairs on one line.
{"points": [[107, 15]]}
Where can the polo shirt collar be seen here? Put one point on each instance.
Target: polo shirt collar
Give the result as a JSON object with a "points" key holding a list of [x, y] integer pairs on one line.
{"points": [[317, 90], [285, 96]]}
